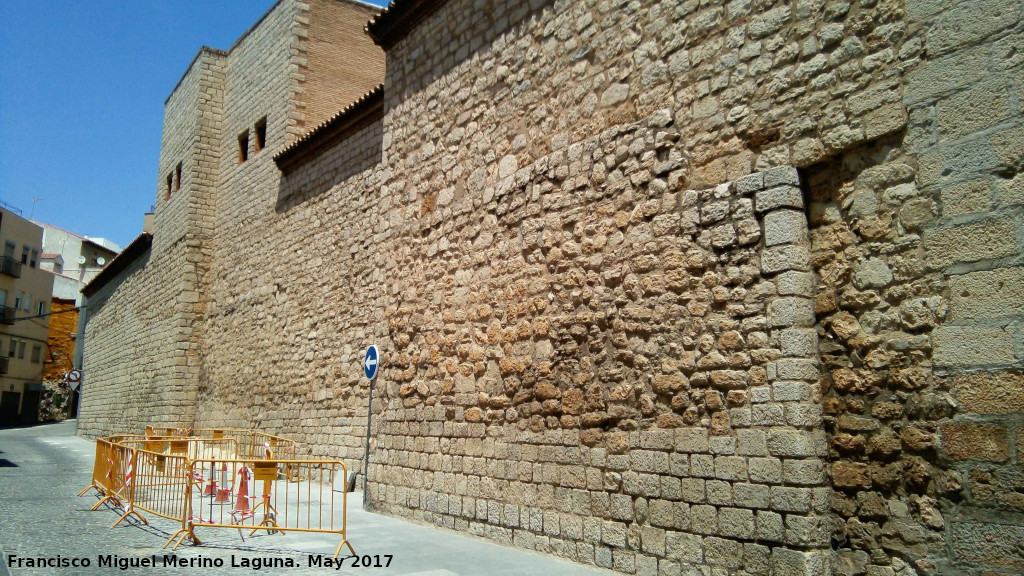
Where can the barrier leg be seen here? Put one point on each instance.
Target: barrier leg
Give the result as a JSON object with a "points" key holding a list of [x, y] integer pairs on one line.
{"points": [[344, 542], [131, 510], [173, 536], [106, 498], [184, 533], [269, 514], [92, 486]]}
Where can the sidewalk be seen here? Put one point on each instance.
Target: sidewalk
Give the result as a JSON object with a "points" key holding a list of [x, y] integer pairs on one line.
{"points": [[41, 515]]}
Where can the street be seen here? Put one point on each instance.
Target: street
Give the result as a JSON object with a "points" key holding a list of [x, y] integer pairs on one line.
{"points": [[42, 469]]}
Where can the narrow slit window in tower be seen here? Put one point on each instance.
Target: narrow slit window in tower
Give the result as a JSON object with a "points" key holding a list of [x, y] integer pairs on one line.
{"points": [[243, 146]]}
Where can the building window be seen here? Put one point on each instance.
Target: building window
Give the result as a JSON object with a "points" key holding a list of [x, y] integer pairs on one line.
{"points": [[37, 353], [21, 349], [28, 302], [12, 348], [177, 177], [243, 146], [170, 182], [35, 258], [24, 254], [41, 308], [17, 300], [261, 134]]}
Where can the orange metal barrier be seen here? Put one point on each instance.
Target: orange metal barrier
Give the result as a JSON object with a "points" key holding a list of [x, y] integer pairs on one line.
{"points": [[262, 498], [98, 470], [191, 448], [250, 443], [160, 485], [106, 472], [108, 461], [168, 431], [124, 477], [173, 475]]}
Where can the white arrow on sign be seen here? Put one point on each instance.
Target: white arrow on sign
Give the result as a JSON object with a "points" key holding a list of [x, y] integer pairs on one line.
{"points": [[370, 362]]}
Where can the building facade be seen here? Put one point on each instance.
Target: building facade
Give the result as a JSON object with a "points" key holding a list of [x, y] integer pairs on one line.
{"points": [[665, 287], [25, 292], [74, 260]]}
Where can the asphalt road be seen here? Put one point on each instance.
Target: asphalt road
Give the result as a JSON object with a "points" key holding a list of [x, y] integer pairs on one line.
{"points": [[43, 468]]}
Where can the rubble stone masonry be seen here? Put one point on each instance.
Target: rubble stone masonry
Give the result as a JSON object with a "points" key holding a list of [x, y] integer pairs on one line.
{"points": [[663, 287]]}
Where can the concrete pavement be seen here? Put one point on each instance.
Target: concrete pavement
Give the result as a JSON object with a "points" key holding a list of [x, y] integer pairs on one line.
{"points": [[42, 469]]}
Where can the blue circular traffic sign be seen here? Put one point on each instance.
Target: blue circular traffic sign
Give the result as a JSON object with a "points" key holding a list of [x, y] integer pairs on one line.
{"points": [[370, 362]]}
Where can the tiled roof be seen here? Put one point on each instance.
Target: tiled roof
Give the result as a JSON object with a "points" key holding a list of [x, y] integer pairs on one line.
{"points": [[120, 262], [400, 17], [339, 122]]}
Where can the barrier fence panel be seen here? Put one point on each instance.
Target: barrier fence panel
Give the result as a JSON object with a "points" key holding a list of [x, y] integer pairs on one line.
{"points": [[257, 495], [219, 478], [124, 478], [160, 485], [251, 444], [107, 472], [192, 448], [168, 431], [98, 470]]}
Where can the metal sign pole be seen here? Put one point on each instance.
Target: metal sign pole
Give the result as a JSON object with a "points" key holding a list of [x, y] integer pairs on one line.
{"points": [[371, 365], [366, 455]]}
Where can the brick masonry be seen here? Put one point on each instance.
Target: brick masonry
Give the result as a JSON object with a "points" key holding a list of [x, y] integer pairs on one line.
{"points": [[662, 287]]}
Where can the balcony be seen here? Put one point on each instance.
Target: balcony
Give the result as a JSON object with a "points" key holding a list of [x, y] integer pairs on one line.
{"points": [[4, 364], [7, 315], [10, 267]]}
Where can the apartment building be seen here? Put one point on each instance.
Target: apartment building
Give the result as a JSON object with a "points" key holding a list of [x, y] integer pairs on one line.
{"points": [[74, 259], [25, 291]]}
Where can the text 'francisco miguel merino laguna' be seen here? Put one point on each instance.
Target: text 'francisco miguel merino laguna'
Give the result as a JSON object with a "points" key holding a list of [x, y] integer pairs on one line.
{"points": [[165, 561]]}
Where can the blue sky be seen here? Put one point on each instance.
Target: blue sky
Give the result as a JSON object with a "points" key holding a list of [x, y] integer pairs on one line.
{"points": [[82, 89]]}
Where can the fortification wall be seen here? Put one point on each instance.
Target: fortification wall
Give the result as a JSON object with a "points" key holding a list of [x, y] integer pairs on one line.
{"points": [[308, 279], [142, 329], [204, 189], [917, 246], [598, 342], [246, 342], [132, 377]]}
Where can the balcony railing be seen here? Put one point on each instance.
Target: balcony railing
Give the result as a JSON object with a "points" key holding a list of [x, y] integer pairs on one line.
{"points": [[4, 364], [10, 266], [7, 315]]}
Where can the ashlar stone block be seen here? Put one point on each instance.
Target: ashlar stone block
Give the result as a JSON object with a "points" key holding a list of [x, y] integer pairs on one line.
{"points": [[779, 197], [785, 227]]}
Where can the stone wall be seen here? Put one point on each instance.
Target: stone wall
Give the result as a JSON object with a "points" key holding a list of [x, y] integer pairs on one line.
{"points": [[167, 298], [915, 240], [644, 406], [967, 131], [617, 325], [134, 363]]}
